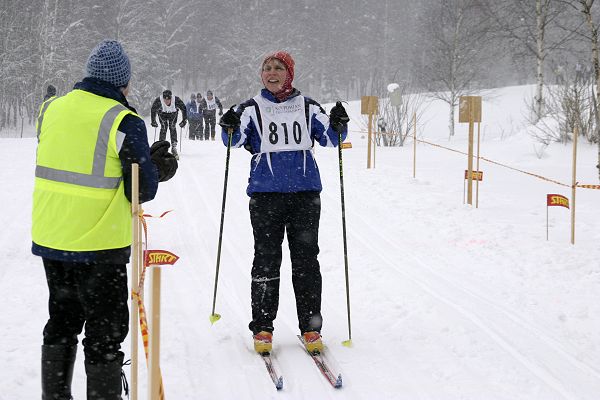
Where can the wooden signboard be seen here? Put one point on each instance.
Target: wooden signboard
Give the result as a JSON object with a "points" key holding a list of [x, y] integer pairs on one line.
{"points": [[369, 105], [469, 107]]}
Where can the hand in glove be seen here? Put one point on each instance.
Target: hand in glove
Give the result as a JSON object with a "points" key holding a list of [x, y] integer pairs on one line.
{"points": [[164, 161], [338, 118], [154, 124], [230, 120], [182, 123], [221, 111]]}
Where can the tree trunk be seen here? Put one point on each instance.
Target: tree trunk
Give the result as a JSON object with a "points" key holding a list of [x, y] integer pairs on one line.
{"points": [[451, 121], [587, 12], [540, 12]]}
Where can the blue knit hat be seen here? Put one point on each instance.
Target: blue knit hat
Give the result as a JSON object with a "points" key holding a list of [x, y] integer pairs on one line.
{"points": [[109, 62]]}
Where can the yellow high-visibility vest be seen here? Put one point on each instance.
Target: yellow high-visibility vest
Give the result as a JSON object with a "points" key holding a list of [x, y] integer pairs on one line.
{"points": [[79, 202]]}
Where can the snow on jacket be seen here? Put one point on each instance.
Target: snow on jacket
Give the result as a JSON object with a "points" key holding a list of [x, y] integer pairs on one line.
{"points": [[134, 149], [194, 112], [282, 171]]}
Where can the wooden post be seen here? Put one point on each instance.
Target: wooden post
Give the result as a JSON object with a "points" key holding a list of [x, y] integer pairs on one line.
{"points": [[154, 381], [574, 183], [477, 181], [369, 105], [470, 111], [374, 141], [135, 277], [470, 160], [369, 141], [414, 145]]}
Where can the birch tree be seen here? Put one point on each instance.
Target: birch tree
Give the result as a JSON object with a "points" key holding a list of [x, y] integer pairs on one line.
{"points": [[456, 53], [589, 14], [532, 25]]}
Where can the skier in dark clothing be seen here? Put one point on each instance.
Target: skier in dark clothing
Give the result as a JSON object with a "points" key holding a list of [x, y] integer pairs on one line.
{"points": [[50, 92], [209, 107], [81, 220], [284, 189], [167, 111], [194, 113]]}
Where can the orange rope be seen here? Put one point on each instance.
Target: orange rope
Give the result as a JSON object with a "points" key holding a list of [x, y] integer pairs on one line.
{"points": [[512, 168], [138, 295]]}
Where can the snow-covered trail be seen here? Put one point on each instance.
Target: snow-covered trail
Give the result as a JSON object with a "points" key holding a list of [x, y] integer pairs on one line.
{"points": [[448, 302]]}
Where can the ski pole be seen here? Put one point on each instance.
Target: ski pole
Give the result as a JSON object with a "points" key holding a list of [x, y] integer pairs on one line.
{"points": [[180, 135], [215, 317], [348, 342]]}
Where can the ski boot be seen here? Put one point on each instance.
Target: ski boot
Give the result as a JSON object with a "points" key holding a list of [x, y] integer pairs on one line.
{"points": [[263, 342], [175, 153], [313, 342]]}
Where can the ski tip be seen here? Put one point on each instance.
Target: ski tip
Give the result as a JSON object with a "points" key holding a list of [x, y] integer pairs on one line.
{"points": [[214, 318], [338, 382], [347, 343], [279, 384]]}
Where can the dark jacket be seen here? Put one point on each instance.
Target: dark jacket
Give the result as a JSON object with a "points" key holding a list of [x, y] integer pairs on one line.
{"points": [[156, 109], [134, 149]]}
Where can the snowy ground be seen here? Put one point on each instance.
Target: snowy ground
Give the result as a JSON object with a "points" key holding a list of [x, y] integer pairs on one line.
{"points": [[448, 301]]}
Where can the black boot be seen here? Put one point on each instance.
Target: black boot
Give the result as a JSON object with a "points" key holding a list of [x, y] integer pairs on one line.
{"points": [[104, 379], [57, 371]]}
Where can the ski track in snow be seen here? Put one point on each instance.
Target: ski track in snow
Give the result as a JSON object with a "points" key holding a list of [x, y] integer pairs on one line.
{"points": [[447, 302], [538, 350]]}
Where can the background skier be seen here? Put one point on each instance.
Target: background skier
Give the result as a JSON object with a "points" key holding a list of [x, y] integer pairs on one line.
{"points": [[194, 113], [209, 107], [167, 111]]}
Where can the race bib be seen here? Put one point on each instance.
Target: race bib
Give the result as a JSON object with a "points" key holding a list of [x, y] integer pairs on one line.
{"points": [[211, 104], [284, 125]]}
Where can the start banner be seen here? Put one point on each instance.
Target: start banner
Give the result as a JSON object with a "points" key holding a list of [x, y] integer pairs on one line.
{"points": [[557, 200], [159, 257]]}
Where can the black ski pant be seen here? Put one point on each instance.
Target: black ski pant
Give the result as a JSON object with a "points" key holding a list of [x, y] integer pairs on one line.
{"points": [[209, 125], [90, 294], [271, 215], [196, 127], [168, 120]]}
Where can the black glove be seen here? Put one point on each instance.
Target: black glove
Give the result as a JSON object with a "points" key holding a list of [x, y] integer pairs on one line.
{"points": [[182, 123], [165, 161], [338, 117], [221, 111], [230, 120], [154, 124]]}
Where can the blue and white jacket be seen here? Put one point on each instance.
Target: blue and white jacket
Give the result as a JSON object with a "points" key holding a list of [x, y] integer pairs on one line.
{"points": [[282, 171], [194, 112]]}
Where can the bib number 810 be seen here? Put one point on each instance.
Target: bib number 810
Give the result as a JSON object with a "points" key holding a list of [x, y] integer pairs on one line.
{"points": [[296, 133]]}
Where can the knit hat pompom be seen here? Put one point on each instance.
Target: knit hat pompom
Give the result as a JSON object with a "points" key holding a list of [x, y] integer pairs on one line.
{"points": [[109, 62]]}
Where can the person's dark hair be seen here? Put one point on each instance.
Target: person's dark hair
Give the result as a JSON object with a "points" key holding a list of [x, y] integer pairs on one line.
{"points": [[167, 94]]}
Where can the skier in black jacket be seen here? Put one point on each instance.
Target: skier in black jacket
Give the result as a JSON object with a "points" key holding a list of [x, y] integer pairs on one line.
{"points": [[209, 107], [167, 115]]}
